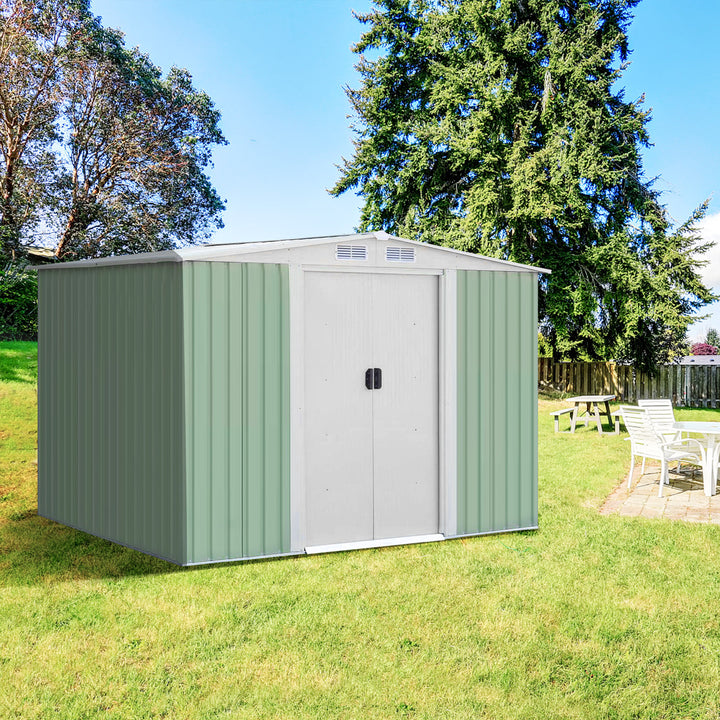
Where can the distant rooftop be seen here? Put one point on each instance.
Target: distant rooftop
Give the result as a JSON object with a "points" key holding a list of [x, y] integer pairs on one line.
{"points": [[40, 255], [700, 360]]}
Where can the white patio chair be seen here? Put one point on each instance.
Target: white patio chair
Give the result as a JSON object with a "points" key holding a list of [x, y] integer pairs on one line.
{"points": [[647, 442], [663, 417]]}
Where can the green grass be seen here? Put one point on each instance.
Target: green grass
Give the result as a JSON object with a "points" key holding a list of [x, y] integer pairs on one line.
{"points": [[590, 617], [18, 362]]}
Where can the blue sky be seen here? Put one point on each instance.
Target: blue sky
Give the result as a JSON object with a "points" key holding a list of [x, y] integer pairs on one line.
{"points": [[276, 70]]}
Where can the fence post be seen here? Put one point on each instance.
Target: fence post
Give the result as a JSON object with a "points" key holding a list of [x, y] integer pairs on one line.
{"points": [[614, 379]]}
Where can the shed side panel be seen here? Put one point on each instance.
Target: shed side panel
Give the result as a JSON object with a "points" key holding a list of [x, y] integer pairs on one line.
{"points": [[237, 379], [110, 454], [497, 401]]}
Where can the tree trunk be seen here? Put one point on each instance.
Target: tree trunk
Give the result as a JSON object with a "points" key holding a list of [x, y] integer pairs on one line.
{"points": [[71, 227], [9, 230]]}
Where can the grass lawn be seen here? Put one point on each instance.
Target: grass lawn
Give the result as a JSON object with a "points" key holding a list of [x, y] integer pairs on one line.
{"points": [[589, 617]]}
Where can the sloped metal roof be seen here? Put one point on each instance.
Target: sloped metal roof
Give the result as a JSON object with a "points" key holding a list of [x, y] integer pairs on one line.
{"points": [[245, 250]]}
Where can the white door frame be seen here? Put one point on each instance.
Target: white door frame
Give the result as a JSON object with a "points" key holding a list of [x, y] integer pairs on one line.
{"points": [[447, 395]]}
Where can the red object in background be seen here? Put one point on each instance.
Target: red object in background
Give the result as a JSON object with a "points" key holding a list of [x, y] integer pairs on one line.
{"points": [[703, 349]]}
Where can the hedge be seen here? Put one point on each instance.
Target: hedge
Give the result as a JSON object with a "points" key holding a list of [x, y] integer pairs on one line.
{"points": [[18, 302]]}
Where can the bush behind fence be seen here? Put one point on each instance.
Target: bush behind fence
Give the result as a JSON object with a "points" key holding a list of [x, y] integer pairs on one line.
{"points": [[689, 385], [18, 302]]}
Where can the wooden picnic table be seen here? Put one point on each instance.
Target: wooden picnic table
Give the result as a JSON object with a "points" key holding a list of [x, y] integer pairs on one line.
{"points": [[593, 401]]}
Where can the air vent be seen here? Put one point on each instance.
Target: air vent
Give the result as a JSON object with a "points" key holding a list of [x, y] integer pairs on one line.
{"points": [[400, 254], [351, 252]]}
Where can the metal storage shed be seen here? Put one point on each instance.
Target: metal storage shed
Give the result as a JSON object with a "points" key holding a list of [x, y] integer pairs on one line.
{"points": [[237, 401]]}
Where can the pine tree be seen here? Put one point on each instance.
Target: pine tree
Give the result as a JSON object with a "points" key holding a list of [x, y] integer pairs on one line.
{"points": [[496, 127]]}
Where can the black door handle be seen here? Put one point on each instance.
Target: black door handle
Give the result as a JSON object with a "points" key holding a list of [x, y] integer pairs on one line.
{"points": [[373, 378]]}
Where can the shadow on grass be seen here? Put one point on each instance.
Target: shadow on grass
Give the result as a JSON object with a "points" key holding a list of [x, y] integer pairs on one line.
{"points": [[18, 362], [37, 551], [11, 373]]}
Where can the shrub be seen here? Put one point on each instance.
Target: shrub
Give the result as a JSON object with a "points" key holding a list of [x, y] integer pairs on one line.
{"points": [[18, 302], [703, 349]]}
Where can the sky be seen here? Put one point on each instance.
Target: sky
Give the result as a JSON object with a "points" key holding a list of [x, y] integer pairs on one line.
{"points": [[276, 69]]}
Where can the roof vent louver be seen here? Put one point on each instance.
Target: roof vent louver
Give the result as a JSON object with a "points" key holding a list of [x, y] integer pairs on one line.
{"points": [[351, 252], [400, 254]]}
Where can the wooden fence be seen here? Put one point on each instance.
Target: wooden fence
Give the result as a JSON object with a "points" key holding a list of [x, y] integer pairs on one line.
{"points": [[693, 385]]}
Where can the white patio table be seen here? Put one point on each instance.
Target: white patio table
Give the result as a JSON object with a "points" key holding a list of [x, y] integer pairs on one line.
{"points": [[594, 401], [709, 433]]}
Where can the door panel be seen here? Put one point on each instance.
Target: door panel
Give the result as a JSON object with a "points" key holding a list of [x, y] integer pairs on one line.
{"points": [[338, 408], [371, 456], [405, 409]]}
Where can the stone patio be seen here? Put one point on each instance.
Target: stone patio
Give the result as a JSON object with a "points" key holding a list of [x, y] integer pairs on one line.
{"points": [[683, 498]]}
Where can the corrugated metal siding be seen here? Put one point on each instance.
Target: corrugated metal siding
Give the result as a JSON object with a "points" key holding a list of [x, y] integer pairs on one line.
{"points": [[497, 401], [110, 457], [237, 383]]}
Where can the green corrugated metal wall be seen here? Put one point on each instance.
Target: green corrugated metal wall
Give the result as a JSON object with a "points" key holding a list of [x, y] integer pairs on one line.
{"points": [[497, 401], [237, 399], [164, 405], [110, 404]]}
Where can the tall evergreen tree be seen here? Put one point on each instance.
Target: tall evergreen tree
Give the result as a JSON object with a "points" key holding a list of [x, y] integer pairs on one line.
{"points": [[497, 127]]}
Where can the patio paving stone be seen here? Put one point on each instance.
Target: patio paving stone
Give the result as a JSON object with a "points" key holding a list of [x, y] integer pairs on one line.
{"points": [[683, 498]]}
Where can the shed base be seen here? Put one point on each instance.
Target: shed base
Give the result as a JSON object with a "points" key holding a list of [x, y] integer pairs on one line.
{"points": [[493, 532], [365, 544]]}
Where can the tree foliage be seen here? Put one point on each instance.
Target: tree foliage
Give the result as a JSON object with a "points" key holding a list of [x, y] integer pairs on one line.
{"points": [[102, 152], [496, 127], [35, 40], [18, 302], [703, 349], [713, 338]]}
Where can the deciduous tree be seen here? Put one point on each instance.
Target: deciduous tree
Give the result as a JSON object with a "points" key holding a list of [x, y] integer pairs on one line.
{"points": [[138, 147], [103, 153], [36, 40], [499, 128]]}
